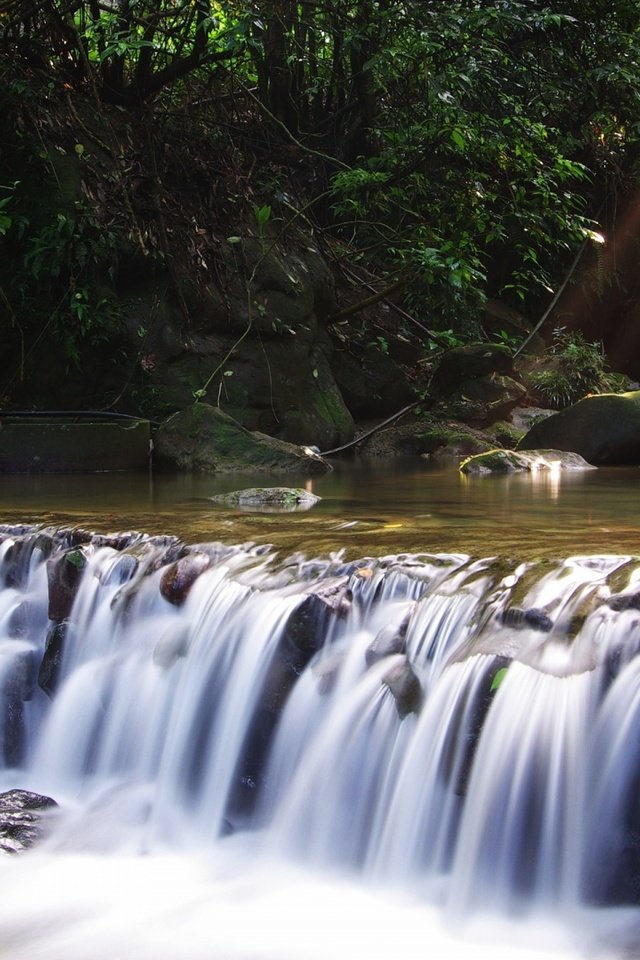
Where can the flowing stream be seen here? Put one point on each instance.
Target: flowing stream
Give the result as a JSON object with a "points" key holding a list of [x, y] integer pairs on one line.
{"points": [[268, 758]]}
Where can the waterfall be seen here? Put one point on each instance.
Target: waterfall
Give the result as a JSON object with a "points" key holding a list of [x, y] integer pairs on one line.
{"points": [[436, 727]]}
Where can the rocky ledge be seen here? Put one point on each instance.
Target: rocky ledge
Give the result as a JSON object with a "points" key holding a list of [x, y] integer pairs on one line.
{"points": [[23, 818]]}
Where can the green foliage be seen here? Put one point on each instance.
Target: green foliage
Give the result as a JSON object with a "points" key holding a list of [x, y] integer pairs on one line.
{"points": [[447, 339], [508, 339], [461, 146], [472, 187], [577, 369], [51, 278]]}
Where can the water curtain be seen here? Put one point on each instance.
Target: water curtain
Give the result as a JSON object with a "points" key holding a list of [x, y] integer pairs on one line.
{"points": [[464, 728]]}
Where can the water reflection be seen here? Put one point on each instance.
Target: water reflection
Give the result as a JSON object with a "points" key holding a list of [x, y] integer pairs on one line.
{"points": [[365, 507]]}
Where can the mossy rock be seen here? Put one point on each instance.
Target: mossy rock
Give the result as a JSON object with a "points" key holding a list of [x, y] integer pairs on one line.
{"points": [[204, 439], [603, 429], [483, 400], [506, 434], [470, 362], [511, 461], [372, 385], [452, 444]]}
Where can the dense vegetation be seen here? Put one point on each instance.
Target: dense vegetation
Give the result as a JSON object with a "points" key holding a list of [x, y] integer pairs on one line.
{"points": [[449, 154]]}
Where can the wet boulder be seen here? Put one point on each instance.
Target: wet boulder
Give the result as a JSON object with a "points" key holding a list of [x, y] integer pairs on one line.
{"points": [[64, 573], [533, 618], [178, 579], [389, 640], [307, 626], [517, 461], [17, 686], [404, 686], [122, 571], [463, 733], [51, 663], [23, 817], [604, 428], [16, 563], [624, 601]]}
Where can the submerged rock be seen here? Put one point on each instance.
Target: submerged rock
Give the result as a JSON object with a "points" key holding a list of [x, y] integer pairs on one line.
{"points": [[173, 645], [389, 640], [22, 819], [270, 498], [404, 686], [533, 617], [515, 461]]}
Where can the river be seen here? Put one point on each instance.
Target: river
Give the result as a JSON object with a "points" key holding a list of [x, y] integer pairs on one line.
{"points": [[366, 508]]}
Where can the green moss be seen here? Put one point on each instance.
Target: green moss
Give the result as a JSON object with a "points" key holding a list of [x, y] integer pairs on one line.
{"points": [[496, 461], [328, 404], [505, 433], [446, 437]]}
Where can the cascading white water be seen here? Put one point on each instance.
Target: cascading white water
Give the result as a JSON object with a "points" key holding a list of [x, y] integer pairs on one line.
{"points": [[439, 731]]}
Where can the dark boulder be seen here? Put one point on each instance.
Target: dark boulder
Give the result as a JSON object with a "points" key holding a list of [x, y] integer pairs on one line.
{"points": [[463, 733], [388, 641], [603, 429], [16, 562], [178, 579], [64, 573], [533, 618], [404, 686], [204, 439], [624, 601], [51, 663], [471, 362], [475, 384], [482, 401], [23, 819], [306, 627]]}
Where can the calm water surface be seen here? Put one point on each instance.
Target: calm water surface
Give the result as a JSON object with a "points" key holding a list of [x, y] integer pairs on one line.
{"points": [[368, 509]]}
